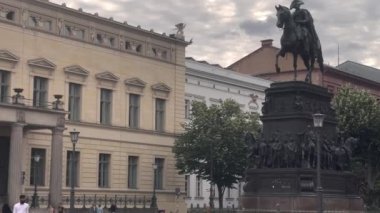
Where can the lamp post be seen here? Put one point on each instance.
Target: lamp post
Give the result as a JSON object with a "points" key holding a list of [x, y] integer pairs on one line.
{"points": [[154, 198], [318, 124], [36, 159], [74, 135]]}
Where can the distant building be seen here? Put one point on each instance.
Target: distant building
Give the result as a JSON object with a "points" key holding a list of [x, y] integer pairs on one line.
{"points": [[123, 89], [212, 84], [261, 63]]}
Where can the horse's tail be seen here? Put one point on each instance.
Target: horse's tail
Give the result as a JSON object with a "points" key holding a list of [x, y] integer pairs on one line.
{"points": [[320, 59]]}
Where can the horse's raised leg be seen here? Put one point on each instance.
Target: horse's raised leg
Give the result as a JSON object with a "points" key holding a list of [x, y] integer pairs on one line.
{"points": [[277, 67], [295, 56], [306, 61]]}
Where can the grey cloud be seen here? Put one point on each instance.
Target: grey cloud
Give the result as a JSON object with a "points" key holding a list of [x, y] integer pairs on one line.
{"points": [[353, 24], [259, 28]]}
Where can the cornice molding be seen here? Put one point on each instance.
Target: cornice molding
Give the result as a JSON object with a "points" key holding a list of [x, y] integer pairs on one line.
{"points": [[8, 56], [109, 76], [42, 63], [161, 87], [135, 82], [77, 70]]}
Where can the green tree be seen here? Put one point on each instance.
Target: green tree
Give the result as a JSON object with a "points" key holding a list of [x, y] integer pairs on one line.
{"points": [[213, 145], [358, 115]]}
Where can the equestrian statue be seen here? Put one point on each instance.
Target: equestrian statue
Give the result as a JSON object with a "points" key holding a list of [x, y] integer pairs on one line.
{"points": [[299, 38]]}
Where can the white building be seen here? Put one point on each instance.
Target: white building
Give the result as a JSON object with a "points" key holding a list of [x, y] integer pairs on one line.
{"points": [[211, 84]]}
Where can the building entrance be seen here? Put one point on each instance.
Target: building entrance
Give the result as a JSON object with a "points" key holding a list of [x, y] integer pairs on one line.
{"points": [[4, 164]]}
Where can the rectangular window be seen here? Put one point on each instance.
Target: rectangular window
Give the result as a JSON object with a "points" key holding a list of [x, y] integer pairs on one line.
{"points": [[37, 169], [75, 168], [187, 108], [159, 173], [198, 185], [105, 106], [74, 101], [187, 185], [132, 172], [228, 192], [4, 86], [160, 115], [40, 92], [239, 189], [134, 110], [104, 164]]}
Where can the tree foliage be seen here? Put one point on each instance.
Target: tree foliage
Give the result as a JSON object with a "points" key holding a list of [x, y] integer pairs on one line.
{"points": [[213, 146], [358, 115]]}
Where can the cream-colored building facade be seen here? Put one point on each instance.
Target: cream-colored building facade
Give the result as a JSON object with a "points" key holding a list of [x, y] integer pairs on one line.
{"points": [[100, 66]]}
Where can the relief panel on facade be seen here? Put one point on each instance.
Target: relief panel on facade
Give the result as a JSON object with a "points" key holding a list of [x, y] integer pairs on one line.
{"points": [[73, 30], [160, 52], [40, 22], [7, 13], [104, 38], [134, 45]]}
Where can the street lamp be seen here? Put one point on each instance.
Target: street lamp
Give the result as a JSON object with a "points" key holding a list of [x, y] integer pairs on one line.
{"points": [[154, 198], [36, 159], [318, 124], [74, 135]]}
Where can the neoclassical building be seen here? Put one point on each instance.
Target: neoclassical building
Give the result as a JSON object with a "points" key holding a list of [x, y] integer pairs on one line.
{"points": [[120, 86], [211, 84]]}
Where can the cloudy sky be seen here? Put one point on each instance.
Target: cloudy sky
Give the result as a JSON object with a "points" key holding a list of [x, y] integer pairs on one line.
{"points": [[224, 31]]}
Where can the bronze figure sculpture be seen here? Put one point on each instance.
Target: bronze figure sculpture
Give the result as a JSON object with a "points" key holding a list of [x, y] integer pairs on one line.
{"points": [[299, 38]]}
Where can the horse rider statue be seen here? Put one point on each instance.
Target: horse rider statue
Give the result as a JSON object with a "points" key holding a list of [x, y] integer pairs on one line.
{"points": [[305, 25]]}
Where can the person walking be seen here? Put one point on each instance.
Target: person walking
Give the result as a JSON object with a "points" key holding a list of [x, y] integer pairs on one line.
{"points": [[6, 209], [99, 209], [21, 207], [93, 209], [113, 208]]}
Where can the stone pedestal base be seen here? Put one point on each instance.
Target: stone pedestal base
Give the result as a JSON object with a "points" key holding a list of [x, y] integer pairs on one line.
{"points": [[306, 203]]}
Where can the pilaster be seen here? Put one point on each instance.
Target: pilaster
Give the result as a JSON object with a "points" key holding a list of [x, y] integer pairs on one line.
{"points": [[15, 163], [55, 188]]}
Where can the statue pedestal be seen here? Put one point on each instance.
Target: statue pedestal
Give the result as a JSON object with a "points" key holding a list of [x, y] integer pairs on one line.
{"points": [[290, 190], [284, 158]]}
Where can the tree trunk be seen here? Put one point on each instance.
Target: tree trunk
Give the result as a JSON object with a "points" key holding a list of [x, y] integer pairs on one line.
{"points": [[220, 196]]}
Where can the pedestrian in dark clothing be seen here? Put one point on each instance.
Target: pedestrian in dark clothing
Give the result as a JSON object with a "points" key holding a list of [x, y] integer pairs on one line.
{"points": [[6, 208], [113, 208]]}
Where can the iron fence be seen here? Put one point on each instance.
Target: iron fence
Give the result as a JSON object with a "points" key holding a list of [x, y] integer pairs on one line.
{"points": [[85, 201]]}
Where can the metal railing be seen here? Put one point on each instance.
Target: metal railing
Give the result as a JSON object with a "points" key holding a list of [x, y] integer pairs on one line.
{"points": [[19, 99], [85, 201]]}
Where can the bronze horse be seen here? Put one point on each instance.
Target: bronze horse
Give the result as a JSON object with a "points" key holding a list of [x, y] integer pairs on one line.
{"points": [[291, 44]]}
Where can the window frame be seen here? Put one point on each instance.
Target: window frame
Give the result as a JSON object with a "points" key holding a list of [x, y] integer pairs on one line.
{"points": [[41, 171], [105, 106], [187, 185], [198, 186], [133, 162], [160, 113], [104, 170], [75, 101], [40, 91], [4, 86], [69, 155], [134, 110], [159, 173]]}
